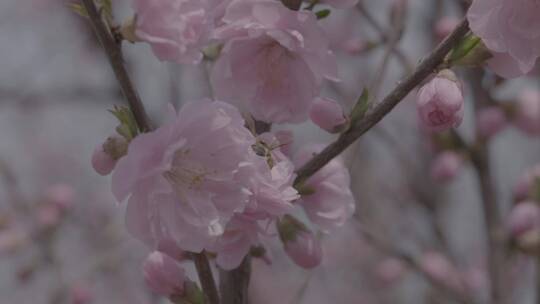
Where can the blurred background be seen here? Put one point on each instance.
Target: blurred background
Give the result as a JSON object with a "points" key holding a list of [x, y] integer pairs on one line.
{"points": [[62, 236]]}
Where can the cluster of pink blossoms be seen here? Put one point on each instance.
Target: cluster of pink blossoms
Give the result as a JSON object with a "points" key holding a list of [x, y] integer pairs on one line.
{"points": [[204, 181], [511, 30]]}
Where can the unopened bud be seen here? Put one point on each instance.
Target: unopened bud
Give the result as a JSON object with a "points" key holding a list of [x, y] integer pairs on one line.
{"points": [[328, 115], [300, 244], [440, 102]]}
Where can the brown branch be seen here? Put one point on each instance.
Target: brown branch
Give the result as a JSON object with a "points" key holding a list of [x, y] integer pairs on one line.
{"points": [[233, 284], [114, 54], [423, 70], [492, 215], [206, 277], [378, 243]]}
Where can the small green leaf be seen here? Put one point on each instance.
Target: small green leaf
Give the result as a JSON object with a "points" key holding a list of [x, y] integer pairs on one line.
{"points": [[360, 108], [471, 51], [79, 9], [322, 14], [106, 5], [128, 126]]}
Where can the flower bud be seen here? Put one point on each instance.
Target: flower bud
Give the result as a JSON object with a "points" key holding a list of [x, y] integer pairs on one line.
{"points": [[105, 156], [440, 102], [354, 45], [490, 121], [528, 185], [390, 270], [446, 166], [81, 294], [163, 275], [61, 195], [527, 114], [300, 244], [529, 242], [439, 267], [523, 218], [328, 115]]}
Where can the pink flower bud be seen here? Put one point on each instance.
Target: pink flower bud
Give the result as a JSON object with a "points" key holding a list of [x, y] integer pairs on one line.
{"points": [[490, 121], [445, 26], [300, 244], [328, 115], [527, 115], [48, 215], [440, 102], [81, 294], [61, 195], [439, 267], [305, 250], [163, 275], [102, 162], [446, 166], [390, 270], [524, 217], [354, 45], [526, 184]]}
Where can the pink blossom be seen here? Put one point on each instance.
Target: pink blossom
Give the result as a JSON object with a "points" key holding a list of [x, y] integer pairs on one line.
{"points": [[340, 3], [490, 121], [176, 30], [440, 102], [524, 217], [181, 177], [102, 162], [445, 26], [508, 27], [328, 115], [170, 248], [240, 235], [285, 139], [446, 166], [526, 183], [329, 202], [273, 61], [163, 275], [191, 179], [527, 115]]}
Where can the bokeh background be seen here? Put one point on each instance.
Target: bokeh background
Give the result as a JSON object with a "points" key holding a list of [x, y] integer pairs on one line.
{"points": [[55, 90]]}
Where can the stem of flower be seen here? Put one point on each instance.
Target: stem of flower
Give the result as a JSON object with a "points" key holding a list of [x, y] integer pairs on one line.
{"points": [[114, 54], [423, 70]]}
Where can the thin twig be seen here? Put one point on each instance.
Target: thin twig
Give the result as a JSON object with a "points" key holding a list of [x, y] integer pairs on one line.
{"points": [[114, 54], [206, 277], [233, 284], [383, 246], [384, 36], [492, 216], [424, 69]]}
